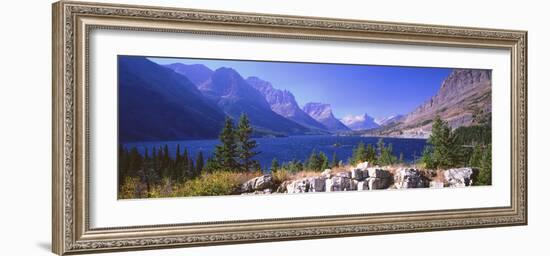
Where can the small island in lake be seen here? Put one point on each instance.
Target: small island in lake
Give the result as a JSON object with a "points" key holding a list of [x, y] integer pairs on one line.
{"points": [[198, 127]]}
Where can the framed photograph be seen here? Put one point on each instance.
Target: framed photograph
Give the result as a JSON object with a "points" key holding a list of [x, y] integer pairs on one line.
{"points": [[179, 127]]}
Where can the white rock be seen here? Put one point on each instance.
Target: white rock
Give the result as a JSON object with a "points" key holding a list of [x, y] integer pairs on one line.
{"points": [[460, 177], [362, 166], [317, 184], [327, 173], [378, 183], [378, 173], [341, 183], [409, 178], [257, 184], [328, 185], [362, 185], [436, 184]]}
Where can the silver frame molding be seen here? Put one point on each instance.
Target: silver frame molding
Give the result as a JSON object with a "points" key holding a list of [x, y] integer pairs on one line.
{"points": [[72, 23]]}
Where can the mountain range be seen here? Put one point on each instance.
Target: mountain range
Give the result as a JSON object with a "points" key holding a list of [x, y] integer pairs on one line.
{"points": [[463, 99], [179, 101], [360, 122]]}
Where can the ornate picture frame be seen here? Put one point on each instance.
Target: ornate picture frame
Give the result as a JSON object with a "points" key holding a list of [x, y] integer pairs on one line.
{"points": [[72, 25]]}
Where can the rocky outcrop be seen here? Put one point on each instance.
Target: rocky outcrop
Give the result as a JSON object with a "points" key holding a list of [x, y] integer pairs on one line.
{"points": [[461, 177], [361, 178], [257, 184], [409, 178]]}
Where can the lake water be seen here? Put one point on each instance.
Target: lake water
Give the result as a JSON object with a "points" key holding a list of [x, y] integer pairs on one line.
{"points": [[295, 147]]}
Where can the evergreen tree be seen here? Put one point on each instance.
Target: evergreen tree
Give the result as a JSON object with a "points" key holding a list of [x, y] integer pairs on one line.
{"points": [[226, 153], [323, 159], [211, 165], [334, 162], [476, 157], [445, 148], [370, 155], [386, 156], [359, 154], [199, 163], [314, 162], [122, 165], [246, 144], [274, 165], [485, 172], [184, 166], [427, 157]]}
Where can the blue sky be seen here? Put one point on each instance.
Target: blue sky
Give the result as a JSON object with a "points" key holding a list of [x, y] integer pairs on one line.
{"points": [[379, 91]]}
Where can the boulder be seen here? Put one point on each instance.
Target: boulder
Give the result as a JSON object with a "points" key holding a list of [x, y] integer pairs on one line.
{"points": [[362, 185], [328, 185], [304, 185], [436, 184], [327, 173], [378, 183], [283, 187], [317, 184], [459, 177], [344, 174], [340, 183], [409, 178], [357, 174], [257, 184], [378, 173], [362, 166]]}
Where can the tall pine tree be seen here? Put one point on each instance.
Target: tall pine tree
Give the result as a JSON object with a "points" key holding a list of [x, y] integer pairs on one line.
{"points": [[226, 153], [445, 147], [199, 163], [246, 144]]}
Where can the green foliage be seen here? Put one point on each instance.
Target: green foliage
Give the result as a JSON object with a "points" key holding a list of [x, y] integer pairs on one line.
{"points": [[226, 153], [371, 154], [324, 161], [476, 156], [293, 166], [214, 184], [385, 156], [445, 146], [359, 154], [314, 162], [426, 158], [246, 145], [470, 135], [199, 163], [484, 177], [334, 162], [274, 165]]}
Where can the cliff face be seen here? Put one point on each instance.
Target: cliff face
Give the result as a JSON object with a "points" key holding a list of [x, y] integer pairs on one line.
{"points": [[463, 99], [284, 103], [323, 114]]}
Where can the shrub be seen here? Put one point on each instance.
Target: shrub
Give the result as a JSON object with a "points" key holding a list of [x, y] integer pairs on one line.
{"points": [[214, 184]]}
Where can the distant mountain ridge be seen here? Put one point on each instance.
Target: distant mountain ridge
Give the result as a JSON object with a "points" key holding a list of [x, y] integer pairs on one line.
{"points": [[196, 73], [284, 103], [388, 120], [360, 122], [322, 112], [235, 96]]}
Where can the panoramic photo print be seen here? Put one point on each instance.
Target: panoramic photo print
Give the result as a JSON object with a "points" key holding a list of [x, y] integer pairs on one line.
{"points": [[209, 127]]}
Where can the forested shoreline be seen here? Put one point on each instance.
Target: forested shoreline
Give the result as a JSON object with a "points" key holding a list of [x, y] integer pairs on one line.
{"points": [[156, 173]]}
